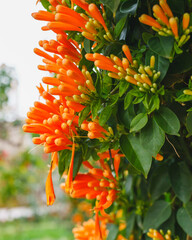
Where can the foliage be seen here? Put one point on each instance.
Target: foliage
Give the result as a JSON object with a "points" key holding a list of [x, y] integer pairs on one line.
{"points": [[6, 78], [129, 111]]}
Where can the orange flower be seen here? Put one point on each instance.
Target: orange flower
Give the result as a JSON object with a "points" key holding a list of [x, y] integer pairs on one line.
{"points": [[186, 20], [97, 184], [166, 8], [155, 234], [49, 188], [145, 19], [174, 26], [62, 18], [160, 14], [123, 69], [88, 231]]}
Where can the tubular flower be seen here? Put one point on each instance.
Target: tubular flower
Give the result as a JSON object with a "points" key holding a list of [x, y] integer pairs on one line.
{"points": [[155, 235], [112, 154], [98, 183], [127, 68], [62, 18], [56, 124], [53, 122], [95, 130], [87, 231], [166, 24], [70, 83]]}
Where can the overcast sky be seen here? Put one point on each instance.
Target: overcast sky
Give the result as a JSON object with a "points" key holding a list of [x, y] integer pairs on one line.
{"points": [[19, 35]]}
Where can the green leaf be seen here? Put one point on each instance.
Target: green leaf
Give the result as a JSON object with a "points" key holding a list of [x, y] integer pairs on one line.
{"points": [[126, 116], [119, 26], [78, 159], [158, 213], [123, 86], [64, 161], [177, 49], [128, 100], [83, 114], [181, 180], [189, 123], [167, 120], [46, 4], [184, 98], [95, 107], [128, 184], [138, 122], [163, 46], [113, 232], [106, 85], [161, 63], [129, 6], [130, 222], [105, 115], [152, 137], [146, 36], [182, 63], [184, 218], [111, 4], [136, 154], [159, 182], [113, 99], [87, 45]]}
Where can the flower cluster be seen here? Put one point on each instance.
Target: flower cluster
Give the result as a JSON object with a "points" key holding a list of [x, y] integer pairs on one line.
{"points": [[168, 25], [128, 68], [104, 114]]}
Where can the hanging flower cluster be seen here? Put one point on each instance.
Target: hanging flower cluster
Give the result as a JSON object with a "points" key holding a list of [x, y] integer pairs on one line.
{"points": [[105, 111]]}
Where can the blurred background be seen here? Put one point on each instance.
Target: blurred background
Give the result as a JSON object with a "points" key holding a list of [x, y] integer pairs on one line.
{"points": [[24, 214]]}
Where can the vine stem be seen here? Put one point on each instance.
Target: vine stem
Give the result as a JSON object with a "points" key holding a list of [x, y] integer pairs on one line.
{"points": [[172, 146]]}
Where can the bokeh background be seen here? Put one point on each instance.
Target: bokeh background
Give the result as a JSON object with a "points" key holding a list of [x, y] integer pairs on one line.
{"points": [[23, 166]]}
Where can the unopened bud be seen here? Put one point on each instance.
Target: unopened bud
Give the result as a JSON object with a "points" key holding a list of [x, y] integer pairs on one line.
{"points": [[141, 89], [153, 90], [146, 86]]}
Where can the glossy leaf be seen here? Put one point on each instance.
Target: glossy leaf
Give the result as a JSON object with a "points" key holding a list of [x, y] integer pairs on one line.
{"points": [[184, 98], [181, 181], [138, 122], [182, 63], [123, 86], [126, 116], [159, 182], [64, 161], [189, 123], [83, 114], [152, 137], [105, 115], [46, 4], [129, 7], [87, 45], [158, 213], [95, 107], [128, 100], [184, 218], [111, 4], [136, 154], [113, 231], [78, 159], [130, 222], [167, 120], [163, 46], [119, 26]]}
